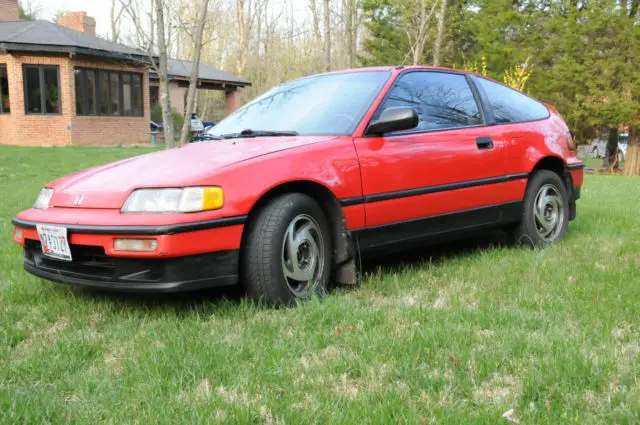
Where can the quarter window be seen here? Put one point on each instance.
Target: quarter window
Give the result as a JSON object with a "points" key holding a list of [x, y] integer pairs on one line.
{"points": [[41, 89], [509, 105], [5, 105], [109, 93], [442, 100]]}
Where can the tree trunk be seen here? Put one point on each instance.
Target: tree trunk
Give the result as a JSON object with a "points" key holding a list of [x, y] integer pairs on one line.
{"points": [[163, 76], [348, 6], [633, 8], [632, 159], [327, 36], [422, 33], [611, 153], [193, 78], [152, 30], [241, 56], [437, 49], [355, 28], [315, 18], [115, 22]]}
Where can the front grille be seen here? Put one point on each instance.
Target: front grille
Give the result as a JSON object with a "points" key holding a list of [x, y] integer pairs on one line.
{"points": [[91, 262]]}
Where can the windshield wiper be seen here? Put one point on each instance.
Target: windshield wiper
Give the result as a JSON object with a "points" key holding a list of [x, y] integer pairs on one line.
{"points": [[204, 137], [259, 133]]}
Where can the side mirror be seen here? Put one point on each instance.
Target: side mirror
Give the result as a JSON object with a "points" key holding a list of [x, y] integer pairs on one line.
{"points": [[394, 119]]}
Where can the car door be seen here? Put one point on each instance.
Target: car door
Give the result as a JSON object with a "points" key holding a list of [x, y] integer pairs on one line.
{"points": [[446, 174]]}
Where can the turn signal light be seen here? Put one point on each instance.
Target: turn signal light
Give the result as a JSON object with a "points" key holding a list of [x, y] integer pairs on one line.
{"points": [[212, 198], [135, 245], [18, 234]]}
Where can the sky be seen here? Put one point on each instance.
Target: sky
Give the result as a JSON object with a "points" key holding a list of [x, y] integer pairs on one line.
{"points": [[99, 9]]}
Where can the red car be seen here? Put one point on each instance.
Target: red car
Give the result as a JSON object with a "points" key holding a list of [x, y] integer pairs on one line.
{"points": [[300, 182]]}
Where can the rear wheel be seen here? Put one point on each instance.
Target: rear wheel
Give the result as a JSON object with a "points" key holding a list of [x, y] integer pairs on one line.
{"points": [[287, 252], [545, 216]]}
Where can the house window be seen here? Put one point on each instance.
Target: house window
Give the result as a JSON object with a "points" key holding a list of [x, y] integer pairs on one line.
{"points": [[41, 89], [5, 106], [109, 93], [154, 95]]}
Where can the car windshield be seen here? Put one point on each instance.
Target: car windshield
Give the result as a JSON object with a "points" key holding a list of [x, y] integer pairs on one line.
{"points": [[330, 104]]}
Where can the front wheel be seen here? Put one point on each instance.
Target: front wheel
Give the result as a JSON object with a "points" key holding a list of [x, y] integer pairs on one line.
{"points": [[287, 251], [545, 217]]}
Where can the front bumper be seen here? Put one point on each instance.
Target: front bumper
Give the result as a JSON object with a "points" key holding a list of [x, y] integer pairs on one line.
{"points": [[189, 256], [92, 268]]}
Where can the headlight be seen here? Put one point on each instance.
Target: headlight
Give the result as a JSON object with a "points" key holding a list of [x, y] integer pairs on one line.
{"points": [[42, 202], [179, 200]]}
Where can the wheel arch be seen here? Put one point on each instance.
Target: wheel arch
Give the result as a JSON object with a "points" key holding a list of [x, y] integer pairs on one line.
{"points": [[552, 163], [343, 247], [558, 166]]}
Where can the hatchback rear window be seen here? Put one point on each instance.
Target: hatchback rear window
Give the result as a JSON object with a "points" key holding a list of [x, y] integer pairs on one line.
{"points": [[509, 105]]}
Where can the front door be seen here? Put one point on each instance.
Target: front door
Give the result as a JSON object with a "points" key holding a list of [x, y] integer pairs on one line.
{"points": [[445, 174]]}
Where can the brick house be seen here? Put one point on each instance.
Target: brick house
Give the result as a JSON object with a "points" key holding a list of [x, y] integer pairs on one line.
{"points": [[61, 85], [208, 79]]}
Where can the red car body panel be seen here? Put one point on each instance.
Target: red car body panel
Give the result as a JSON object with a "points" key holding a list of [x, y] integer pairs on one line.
{"points": [[378, 181], [108, 186]]}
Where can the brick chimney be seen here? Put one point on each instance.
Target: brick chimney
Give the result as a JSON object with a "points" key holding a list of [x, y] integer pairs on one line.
{"points": [[9, 10], [77, 21]]}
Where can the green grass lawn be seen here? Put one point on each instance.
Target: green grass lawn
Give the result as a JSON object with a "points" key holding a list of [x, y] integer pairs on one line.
{"points": [[451, 335]]}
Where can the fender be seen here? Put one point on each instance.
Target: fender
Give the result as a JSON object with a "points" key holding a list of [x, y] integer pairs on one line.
{"points": [[332, 164]]}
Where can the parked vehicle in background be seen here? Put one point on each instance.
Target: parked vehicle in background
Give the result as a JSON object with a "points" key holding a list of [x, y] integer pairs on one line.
{"points": [[302, 181], [598, 147]]}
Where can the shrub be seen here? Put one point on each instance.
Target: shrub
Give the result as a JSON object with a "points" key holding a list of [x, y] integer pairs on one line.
{"points": [[178, 118]]}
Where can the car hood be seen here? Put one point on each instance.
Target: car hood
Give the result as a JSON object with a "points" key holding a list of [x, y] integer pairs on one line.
{"points": [[107, 186]]}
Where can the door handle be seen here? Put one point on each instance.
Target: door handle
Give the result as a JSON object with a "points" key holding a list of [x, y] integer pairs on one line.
{"points": [[484, 143]]}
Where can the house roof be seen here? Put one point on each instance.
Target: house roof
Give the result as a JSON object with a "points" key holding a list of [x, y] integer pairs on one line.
{"points": [[45, 36], [181, 69]]}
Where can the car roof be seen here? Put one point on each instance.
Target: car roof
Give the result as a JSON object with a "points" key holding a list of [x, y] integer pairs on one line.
{"points": [[401, 68], [398, 68]]}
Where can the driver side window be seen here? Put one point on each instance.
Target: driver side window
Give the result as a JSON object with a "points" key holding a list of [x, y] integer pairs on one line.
{"points": [[442, 100]]}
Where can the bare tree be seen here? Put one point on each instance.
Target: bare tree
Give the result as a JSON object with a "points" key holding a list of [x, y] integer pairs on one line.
{"points": [[195, 65], [315, 19], [244, 26], [327, 36], [351, 20], [437, 48], [418, 32], [115, 18], [152, 30], [163, 75]]}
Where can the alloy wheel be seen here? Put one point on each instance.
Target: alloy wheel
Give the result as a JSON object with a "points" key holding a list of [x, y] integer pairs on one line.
{"points": [[548, 211], [302, 255]]}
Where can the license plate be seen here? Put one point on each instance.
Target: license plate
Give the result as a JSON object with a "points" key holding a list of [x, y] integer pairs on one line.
{"points": [[55, 242]]}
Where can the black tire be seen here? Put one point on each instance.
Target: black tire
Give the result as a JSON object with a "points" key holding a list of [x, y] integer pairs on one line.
{"points": [[264, 261], [530, 231]]}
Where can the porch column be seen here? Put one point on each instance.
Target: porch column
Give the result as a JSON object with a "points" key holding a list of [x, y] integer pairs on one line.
{"points": [[232, 100]]}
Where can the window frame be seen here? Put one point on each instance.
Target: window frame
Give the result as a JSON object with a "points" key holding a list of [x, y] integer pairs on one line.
{"points": [[2, 111], [98, 94], [43, 97], [472, 87], [486, 102]]}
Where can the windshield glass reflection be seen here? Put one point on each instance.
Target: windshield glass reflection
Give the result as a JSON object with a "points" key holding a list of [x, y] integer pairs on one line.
{"points": [[322, 105]]}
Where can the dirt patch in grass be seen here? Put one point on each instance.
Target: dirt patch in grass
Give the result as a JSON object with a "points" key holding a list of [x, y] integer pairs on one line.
{"points": [[497, 391]]}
